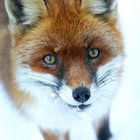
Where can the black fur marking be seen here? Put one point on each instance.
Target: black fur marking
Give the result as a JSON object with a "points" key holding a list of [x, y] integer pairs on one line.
{"points": [[60, 77], [18, 10], [60, 73], [46, 3], [92, 71], [59, 85], [104, 132], [95, 79], [108, 4]]}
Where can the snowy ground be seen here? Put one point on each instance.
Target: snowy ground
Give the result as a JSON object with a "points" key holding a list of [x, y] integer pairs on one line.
{"points": [[125, 116]]}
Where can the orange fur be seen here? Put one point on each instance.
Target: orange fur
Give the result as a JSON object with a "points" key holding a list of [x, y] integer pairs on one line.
{"points": [[50, 136]]}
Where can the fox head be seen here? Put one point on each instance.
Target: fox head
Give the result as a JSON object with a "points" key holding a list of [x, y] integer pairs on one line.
{"points": [[66, 52]]}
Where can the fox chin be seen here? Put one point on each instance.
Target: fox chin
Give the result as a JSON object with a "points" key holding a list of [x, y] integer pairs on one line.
{"points": [[65, 65]]}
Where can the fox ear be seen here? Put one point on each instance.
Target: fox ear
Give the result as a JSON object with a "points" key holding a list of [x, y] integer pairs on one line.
{"points": [[103, 8], [24, 13]]}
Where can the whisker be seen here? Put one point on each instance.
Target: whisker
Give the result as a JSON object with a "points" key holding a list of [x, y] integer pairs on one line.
{"points": [[107, 82], [107, 76], [103, 76]]}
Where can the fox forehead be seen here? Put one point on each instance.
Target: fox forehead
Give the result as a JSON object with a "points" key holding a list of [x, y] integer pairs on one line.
{"points": [[65, 24], [64, 33]]}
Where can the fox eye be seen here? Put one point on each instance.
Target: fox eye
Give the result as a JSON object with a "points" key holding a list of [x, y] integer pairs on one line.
{"points": [[49, 59], [93, 53]]}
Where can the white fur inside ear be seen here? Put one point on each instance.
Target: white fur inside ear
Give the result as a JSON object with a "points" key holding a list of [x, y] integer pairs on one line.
{"points": [[8, 5], [97, 6], [100, 6], [33, 10]]}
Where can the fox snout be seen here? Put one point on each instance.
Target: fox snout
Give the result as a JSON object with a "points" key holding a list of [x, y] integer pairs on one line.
{"points": [[79, 79]]}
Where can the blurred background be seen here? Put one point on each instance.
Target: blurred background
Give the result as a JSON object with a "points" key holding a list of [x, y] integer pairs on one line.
{"points": [[125, 115]]}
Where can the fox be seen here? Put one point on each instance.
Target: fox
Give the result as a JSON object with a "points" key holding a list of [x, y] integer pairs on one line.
{"points": [[61, 64]]}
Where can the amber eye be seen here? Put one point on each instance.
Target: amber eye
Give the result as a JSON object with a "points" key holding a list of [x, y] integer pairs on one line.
{"points": [[93, 53], [49, 59]]}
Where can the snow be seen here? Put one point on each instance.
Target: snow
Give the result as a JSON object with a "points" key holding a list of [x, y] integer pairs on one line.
{"points": [[125, 115]]}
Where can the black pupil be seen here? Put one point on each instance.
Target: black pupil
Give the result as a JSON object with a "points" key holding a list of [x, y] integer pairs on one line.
{"points": [[49, 58]]}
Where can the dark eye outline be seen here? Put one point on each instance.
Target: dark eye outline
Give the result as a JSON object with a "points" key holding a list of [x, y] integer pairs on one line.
{"points": [[94, 57], [50, 55]]}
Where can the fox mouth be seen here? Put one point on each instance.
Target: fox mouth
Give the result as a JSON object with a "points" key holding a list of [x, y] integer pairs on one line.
{"points": [[81, 107]]}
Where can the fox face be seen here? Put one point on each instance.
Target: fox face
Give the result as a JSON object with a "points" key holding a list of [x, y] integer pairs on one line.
{"points": [[66, 56]]}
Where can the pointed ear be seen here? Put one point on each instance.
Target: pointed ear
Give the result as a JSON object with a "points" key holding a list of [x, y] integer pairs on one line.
{"points": [[106, 9], [24, 13]]}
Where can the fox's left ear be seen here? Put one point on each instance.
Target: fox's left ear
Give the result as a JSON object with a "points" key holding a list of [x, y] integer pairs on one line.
{"points": [[24, 13], [106, 9]]}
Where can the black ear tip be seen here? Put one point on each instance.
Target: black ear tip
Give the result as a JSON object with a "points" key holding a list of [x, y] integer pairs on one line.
{"points": [[46, 3], [109, 3]]}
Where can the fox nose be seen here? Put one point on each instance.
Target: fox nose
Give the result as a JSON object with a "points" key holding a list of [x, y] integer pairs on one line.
{"points": [[81, 94]]}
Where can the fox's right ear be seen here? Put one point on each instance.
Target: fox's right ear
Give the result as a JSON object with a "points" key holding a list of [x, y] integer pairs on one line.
{"points": [[24, 13], [105, 9]]}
